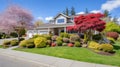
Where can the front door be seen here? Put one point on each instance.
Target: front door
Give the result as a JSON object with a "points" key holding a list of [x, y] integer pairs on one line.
{"points": [[56, 31]]}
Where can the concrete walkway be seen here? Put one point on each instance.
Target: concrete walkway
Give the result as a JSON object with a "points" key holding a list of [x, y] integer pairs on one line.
{"points": [[47, 61]]}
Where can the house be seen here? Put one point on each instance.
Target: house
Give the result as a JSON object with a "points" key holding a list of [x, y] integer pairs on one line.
{"points": [[57, 25]]}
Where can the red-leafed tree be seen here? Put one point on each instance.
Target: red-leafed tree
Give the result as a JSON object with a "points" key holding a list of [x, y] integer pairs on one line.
{"points": [[88, 24], [15, 18]]}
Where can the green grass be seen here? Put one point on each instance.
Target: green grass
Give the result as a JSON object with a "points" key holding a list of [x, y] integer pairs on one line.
{"points": [[0, 46], [80, 54]]}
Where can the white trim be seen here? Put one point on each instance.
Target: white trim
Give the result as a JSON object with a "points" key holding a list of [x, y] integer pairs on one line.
{"points": [[61, 17]]}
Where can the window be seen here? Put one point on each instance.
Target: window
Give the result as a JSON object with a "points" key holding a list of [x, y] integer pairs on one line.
{"points": [[72, 18], [60, 21]]}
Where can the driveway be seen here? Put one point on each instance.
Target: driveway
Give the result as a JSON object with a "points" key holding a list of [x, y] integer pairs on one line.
{"points": [[6, 61]]}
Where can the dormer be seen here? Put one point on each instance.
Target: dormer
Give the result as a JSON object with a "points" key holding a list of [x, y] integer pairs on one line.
{"points": [[61, 19]]}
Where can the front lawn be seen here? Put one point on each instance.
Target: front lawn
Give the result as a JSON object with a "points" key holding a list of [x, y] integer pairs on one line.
{"points": [[0, 46], [80, 54]]}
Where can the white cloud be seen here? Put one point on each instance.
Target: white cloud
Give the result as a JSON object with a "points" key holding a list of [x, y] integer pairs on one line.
{"points": [[110, 5], [81, 13], [95, 11], [48, 18]]}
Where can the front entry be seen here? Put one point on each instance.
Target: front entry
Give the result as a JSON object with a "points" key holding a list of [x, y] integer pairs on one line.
{"points": [[56, 31]]}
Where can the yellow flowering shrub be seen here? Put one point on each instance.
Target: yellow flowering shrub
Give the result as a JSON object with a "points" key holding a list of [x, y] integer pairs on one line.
{"points": [[40, 42]]}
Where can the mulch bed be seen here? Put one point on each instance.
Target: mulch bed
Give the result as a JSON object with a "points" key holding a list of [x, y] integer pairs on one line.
{"points": [[103, 53], [106, 53]]}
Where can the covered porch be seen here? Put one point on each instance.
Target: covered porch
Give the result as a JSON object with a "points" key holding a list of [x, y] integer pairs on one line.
{"points": [[55, 29]]}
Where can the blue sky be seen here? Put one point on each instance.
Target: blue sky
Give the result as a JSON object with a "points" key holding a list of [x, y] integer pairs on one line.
{"points": [[46, 9]]}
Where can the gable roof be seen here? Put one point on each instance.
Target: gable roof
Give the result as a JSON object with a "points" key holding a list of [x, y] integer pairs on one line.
{"points": [[62, 15]]}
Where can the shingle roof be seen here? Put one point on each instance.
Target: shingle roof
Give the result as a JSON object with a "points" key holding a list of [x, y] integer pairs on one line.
{"points": [[54, 25], [62, 15]]}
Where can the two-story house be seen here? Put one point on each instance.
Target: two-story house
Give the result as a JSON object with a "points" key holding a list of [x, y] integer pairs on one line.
{"points": [[57, 25]]}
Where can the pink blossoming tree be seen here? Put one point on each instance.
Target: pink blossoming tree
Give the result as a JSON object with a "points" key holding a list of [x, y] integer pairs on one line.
{"points": [[15, 17]]}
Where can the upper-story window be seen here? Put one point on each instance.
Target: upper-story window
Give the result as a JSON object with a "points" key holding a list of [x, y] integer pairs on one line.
{"points": [[60, 21]]}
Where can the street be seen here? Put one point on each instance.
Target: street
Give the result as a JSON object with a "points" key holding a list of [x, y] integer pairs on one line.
{"points": [[6, 61]]}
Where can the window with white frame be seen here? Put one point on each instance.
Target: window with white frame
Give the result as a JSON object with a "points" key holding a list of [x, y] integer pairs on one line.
{"points": [[62, 20]]}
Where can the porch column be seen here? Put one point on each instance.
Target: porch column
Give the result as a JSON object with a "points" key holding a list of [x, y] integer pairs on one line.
{"points": [[48, 30], [65, 29]]}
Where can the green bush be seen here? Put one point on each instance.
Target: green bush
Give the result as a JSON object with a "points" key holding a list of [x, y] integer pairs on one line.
{"points": [[30, 45], [14, 42], [21, 39], [64, 44], [118, 39], [35, 36], [6, 42], [112, 40], [106, 47], [40, 42], [21, 31], [77, 44], [48, 37], [66, 40], [74, 38], [59, 43], [13, 34], [97, 37], [66, 35], [23, 43], [30, 41], [59, 38], [112, 27], [27, 43]]}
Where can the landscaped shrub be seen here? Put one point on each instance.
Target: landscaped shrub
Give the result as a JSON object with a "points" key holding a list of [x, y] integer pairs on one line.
{"points": [[53, 44], [48, 37], [27, 43], [54, 38], [77, 44], [66, 35], [93, 45], [70, 44], [112, 40], [23, 43], [30, 41], [114, 35], [40, 42], [64, 44], [59, 43], [74, 38], [30, 45], [13, 34], [118, 39], [59, 38], [14, 42], [6, 42], [21, 39], [49, 42], [97, 37], [35, 36], [106, 47], [66, 40]]}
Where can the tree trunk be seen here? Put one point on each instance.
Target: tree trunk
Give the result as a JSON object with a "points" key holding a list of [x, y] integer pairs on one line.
{"points": [[85, 37], [18, 38]]}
